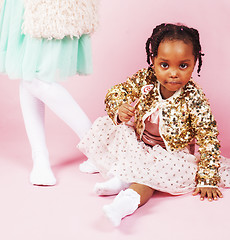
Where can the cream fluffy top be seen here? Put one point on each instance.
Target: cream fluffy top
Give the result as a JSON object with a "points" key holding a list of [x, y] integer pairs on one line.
{"points": [[60, 18]]}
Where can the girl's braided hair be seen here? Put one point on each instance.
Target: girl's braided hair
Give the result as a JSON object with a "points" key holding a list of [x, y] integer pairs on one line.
{"points": [[174, 32]]}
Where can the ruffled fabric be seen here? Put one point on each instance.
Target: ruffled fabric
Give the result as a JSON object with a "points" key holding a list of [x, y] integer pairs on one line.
{"points": [[115, 151], [60, 18], [24, 57]]}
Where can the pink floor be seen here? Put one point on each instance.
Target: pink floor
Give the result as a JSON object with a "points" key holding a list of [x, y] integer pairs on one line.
{"points": [[70, 210]]}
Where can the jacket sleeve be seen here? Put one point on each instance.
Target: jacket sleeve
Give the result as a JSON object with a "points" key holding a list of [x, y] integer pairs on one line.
{"points": [[206, 133], [128, 91]]}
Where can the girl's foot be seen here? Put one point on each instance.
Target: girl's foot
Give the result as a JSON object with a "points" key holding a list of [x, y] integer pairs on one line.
{"points": [[124, 204], [110, 187], [42, 176], [88, 167]]}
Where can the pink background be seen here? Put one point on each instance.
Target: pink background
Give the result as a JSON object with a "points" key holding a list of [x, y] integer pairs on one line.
{"points": [[29, 212]]}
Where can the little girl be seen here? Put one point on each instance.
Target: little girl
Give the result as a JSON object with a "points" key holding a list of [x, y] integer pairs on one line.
{"points": [[155, 151], [43, 42]]}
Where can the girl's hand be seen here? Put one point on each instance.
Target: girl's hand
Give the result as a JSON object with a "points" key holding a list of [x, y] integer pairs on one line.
{"points": [[125, 112], [210, 193]]}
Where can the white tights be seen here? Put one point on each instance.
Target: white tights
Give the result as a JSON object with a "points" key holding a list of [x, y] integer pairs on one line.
{"points": [[33, 97]]}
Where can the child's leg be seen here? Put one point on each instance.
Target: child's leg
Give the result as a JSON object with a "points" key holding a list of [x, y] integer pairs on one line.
{"points": [[144, 191], [33, 114], [127, 202], [110, 187], [62, 104], [33, 96]]}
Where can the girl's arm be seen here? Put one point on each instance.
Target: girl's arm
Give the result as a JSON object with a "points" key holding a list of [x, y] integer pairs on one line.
{"points": [[126, 92], [206, 133]]}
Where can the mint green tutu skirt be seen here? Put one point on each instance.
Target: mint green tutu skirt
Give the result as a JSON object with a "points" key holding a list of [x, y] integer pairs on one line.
{"points": [[24, 57]]}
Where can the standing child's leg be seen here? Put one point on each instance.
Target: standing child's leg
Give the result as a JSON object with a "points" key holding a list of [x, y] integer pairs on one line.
{"points": [[58, 99], [127, 202], [33, 114], [33, 95]]}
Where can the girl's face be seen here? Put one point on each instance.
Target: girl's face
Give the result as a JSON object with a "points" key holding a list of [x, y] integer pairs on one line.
{"points": [[173, 65]]}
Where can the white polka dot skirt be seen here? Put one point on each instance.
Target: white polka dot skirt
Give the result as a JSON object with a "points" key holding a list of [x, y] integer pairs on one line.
{"points": [[116, 151]]}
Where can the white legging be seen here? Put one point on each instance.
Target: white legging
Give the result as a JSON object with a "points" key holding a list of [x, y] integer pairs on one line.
{"points": [[33, 97]]}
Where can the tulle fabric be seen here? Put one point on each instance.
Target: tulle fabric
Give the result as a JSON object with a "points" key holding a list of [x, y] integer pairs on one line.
{"points": [[23, 57], [115, 151]]}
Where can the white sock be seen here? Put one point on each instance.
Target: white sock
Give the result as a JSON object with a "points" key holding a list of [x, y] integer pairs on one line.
{"points": [[33, 114], [124, 204], [110, 187], [88, 167]]}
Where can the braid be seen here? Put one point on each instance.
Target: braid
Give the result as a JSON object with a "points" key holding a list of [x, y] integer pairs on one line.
{"points": [[147, 48], [174, 32]]}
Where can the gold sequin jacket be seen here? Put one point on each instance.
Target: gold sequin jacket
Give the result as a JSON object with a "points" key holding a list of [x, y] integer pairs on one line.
{"points": [[183, 117]]}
